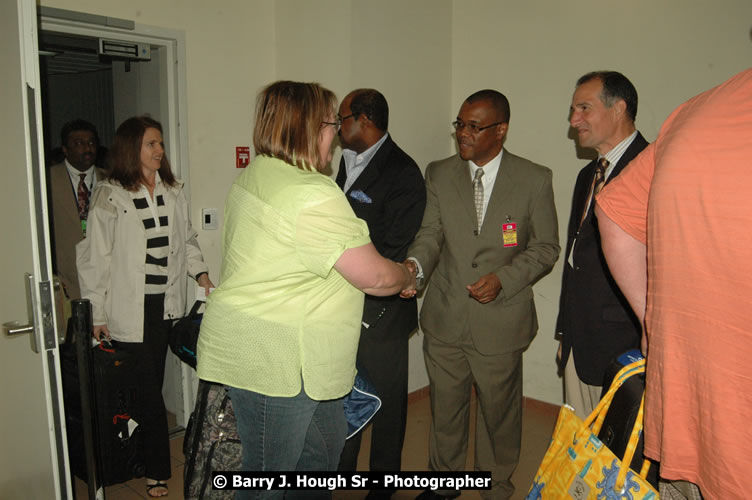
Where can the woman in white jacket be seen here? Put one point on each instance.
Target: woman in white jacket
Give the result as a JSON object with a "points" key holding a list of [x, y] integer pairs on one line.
{"points": [[133, 266]]}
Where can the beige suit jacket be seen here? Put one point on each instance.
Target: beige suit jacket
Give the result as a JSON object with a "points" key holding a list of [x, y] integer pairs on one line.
{"points": [[453, 256], [66, 227]]}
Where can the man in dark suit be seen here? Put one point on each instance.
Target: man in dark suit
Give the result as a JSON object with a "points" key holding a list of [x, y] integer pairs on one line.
{"points": [[595, 321], [385, 188], [489, 232], [70, 182]]}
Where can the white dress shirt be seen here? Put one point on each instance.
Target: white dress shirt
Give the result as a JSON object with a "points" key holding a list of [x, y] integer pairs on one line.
{"points": [[490, 171], [75, 178], [356, 163]]}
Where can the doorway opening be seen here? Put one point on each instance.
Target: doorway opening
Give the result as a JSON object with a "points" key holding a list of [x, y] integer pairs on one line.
{"points": [[79, 81]]}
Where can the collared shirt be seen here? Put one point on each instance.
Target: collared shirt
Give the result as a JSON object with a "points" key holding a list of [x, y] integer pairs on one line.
{"points": [[617, 152], [281, 311], [356, 163], [75, 178], [613, 158], [490, 171]]}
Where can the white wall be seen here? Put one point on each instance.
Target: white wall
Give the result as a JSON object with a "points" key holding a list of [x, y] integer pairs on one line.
{"points": [[386, 45], [229, 56], [535, 51], [426, 56]]}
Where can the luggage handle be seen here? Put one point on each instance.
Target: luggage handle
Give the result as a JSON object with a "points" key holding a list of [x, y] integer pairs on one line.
{"points": [[595, 421], [598, 415], [193, 313], [120, 416], [630, 451], [101, 346]]}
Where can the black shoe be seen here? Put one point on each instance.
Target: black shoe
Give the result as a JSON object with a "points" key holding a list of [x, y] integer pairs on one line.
{"points": [[432, 495]]}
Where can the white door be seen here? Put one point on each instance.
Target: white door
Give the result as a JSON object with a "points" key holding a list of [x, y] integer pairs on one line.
{"points": [[33, 461]]}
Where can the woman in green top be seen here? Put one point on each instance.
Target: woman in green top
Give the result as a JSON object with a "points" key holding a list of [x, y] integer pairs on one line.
{"points": [[282, 327]]}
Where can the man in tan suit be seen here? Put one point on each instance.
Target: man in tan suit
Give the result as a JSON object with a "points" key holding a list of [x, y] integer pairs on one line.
{"points": [[488, 233], [68, 180]]}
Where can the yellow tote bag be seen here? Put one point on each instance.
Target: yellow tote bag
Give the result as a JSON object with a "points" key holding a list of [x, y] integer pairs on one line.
{"points": [[578, 466]]}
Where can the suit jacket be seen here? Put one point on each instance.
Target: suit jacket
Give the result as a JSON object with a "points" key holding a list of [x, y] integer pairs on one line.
{"points": [[595, 319], [390, 196], [66, 227], [453, 256]]}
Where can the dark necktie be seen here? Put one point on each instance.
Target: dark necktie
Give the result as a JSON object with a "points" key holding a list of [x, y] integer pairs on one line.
{"points": [[599, 179], [83, 198], [478, 195], [600, 175]]}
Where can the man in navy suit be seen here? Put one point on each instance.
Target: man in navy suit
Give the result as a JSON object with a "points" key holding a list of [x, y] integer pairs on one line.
{"points": [[385, 188], [595, 321]]}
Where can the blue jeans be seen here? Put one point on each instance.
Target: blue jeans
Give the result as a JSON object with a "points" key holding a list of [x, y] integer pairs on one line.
{"points": [[288, 434]]}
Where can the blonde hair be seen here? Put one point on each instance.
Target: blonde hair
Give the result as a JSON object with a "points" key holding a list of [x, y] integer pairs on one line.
{"points": [[288, 122]]}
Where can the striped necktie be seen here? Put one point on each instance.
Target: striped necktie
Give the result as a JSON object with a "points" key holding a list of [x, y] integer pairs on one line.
{"points": [[478, 195], [600, 175], [599, 179]]}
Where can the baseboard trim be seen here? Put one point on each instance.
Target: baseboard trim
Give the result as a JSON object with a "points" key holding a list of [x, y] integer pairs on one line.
{"points": [[530, 403], [418, 394], [540, 406]]}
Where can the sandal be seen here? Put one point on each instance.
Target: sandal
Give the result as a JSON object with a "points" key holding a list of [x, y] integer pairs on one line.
{"points": [[158, 484]]}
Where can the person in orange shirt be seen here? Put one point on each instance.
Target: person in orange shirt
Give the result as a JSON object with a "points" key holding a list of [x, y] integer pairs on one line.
{"points": [[676, 232]]}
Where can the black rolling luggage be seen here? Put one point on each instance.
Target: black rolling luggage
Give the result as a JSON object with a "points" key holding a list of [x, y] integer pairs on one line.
{"points": [[211, 443], [621, 416], [113, 397], [117, 396]]}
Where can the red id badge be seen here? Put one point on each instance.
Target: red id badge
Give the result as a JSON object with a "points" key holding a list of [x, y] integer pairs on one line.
{"points": [[510, 234]]}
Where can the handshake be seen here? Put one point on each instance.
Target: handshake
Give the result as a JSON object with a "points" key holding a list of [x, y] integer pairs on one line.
{"points": [[485, 290], [410, 290]]}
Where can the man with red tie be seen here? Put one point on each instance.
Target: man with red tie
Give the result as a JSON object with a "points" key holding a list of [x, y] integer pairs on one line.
{"points": [[70, 185]]}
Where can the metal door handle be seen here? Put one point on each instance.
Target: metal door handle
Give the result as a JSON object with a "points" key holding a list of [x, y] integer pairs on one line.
{"points": [[15, 328], [12, 328]]}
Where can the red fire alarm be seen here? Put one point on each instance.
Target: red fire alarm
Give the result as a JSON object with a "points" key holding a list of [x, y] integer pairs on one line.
{"points": [[242, 156]]}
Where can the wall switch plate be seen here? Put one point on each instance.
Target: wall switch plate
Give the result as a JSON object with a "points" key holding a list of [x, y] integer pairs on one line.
{"points": [[209, 218]]}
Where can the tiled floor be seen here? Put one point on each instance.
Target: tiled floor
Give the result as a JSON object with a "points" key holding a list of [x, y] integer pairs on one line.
{"points": [[537, 424]]}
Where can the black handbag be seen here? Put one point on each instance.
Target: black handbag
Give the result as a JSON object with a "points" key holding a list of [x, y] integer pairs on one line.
{"points": [[184, 335]]}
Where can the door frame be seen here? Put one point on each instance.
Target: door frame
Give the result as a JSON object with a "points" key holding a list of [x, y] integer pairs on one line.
{"points": [[75, 23], [174, 107]]}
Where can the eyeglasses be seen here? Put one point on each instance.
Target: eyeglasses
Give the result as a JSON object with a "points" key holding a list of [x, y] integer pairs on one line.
{"points": [[336, 124], [473, 128]]}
